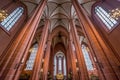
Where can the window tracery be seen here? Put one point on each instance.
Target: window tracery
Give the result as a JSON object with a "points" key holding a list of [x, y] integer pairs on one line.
{"points": [[87, 57], [105, 17], [60, 63], [12, 18], [31, 60]]}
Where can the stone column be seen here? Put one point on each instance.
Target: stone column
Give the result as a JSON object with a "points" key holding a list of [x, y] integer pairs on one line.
{"points": [[12, 61], [73, 60], [106, 59], [80, 57], [47, 59], [57, 65], [62, 65], [51, 63], [68, 60], [40, 53]]}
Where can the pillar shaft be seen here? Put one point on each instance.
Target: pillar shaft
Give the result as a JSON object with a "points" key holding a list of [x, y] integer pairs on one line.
{"points": [[57, 65], [68, 60], [47, 59], [80, 57], [73, 60], [12, 61], [62, 65], [40, 53], [106, 59]]}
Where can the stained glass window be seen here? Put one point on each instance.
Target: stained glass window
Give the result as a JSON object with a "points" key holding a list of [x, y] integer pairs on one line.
{"points": [[60, 63], [12, 18], [32, 57], [105, 17], [87, 58]]}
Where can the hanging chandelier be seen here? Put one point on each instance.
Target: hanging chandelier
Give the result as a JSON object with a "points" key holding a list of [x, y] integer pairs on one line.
{"points": [[115, 13], [3, 15]]}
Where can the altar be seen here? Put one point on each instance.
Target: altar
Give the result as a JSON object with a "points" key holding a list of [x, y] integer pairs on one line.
{"points": [[59, 76]]}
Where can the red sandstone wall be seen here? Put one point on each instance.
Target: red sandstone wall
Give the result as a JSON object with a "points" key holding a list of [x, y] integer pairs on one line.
{"points": [[6, 37], [4, 3], [112, 37]]}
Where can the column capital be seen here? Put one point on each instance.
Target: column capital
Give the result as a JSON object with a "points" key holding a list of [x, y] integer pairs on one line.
{"points": [[49, 37], [47, 19], [71, 19], [70, 37]]}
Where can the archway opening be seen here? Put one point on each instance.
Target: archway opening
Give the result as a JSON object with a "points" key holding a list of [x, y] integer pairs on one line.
{"points": [[59, 64]]}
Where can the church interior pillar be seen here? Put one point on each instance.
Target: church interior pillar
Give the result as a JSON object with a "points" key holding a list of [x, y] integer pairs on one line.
{"points": [[40, 53], [12, 64], [81, 61], [73, 60], [108, 64], [47, 59]]}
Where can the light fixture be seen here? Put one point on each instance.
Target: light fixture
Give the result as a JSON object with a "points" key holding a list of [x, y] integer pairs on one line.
{"points": [[87, 49], [3, 15], [60, 76], [76, 60], [41, 70], [30, 50], [43, 60], [115, 13], [77, 69]]}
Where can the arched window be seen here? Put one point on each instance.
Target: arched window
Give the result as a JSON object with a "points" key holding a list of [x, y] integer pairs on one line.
{"points": [[105, 17], [87, 57], [33, 52], [12, 18], [59, 63]]}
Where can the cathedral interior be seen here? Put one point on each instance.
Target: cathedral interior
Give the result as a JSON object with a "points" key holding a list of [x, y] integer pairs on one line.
{"points": [[59, 40]]}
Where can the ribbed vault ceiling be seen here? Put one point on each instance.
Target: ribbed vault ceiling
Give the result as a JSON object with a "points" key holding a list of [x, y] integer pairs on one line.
{"points": [[58, 11]]}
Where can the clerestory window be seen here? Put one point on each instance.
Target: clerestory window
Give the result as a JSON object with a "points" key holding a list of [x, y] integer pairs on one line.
{"points": [[87, 57], [31, 60], [105, 17], [12, 18]]}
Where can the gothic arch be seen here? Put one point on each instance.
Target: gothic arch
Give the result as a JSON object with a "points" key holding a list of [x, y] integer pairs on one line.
{"points": [[59, 29]]}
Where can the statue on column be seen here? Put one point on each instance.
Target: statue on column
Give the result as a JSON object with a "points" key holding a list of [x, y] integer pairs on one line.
{"points": [[70, 75], [49, 76]]}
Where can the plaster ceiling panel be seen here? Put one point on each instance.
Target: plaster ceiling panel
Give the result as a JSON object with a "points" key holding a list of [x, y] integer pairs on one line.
{"points": [[59, 1], [59, 16], [53, 23], [67, 7], [83, 1], [59, 10], [30, 7], [51, 7], [32, 1], [88, 6], [66, 23], [37, 1], [59, 22], [46, 12]]}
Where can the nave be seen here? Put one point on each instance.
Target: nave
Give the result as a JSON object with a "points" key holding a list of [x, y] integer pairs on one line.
{"points": [[59, 40]]}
